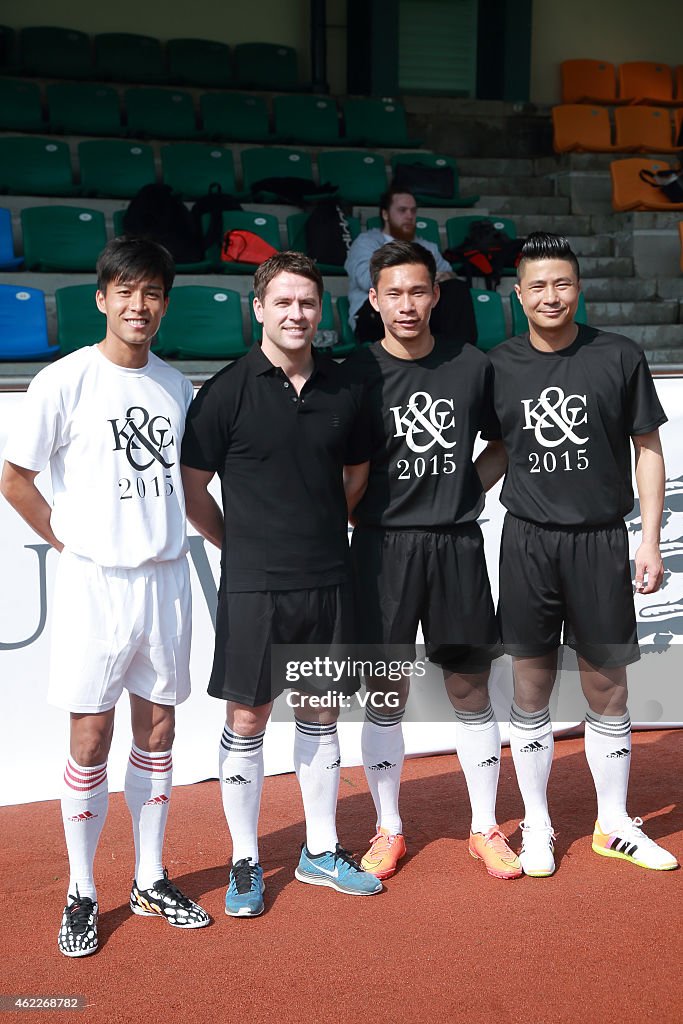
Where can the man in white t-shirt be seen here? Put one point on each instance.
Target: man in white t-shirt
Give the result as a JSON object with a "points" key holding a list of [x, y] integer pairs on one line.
{"points": [[108, 421]]}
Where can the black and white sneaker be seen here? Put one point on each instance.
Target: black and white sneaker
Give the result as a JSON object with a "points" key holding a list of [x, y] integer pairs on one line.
{"points": [[164, 899], [78, 930]]}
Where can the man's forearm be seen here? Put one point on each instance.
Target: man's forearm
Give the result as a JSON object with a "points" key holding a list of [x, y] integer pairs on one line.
{"points": [[651, 482], [491, 464], [206, 517], [18, 487]]}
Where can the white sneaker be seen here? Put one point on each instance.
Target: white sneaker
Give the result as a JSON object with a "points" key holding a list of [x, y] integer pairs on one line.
{"points": [[536, 855], [629, 842]]}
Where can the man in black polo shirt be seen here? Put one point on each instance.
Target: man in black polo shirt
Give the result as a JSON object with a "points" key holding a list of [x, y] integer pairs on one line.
{"points": [[570, 399], [277, 426], [417, 550]]}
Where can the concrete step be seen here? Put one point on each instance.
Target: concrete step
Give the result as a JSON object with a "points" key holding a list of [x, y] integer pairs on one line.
{"points": [[591, 245], [586, 161], [653, 336], [619, 289], [605, 314], [518, 205], [669, 360], [498, 167], [606, 266], [507, 186], [670, 287], [564, 225]]}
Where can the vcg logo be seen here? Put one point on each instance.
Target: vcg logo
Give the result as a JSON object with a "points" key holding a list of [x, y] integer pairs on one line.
{"points": [[554, 417], [143, 438], [424, 415]]}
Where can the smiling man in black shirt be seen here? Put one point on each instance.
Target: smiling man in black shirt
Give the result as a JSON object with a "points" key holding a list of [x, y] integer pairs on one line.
{"points": [[417, 551], [277, 426], [570, 400]]}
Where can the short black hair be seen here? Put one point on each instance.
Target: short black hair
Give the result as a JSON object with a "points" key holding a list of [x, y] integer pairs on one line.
{"points": [[286, 262], [129, 258], [396, 254], [386, 199], [541, 245]]}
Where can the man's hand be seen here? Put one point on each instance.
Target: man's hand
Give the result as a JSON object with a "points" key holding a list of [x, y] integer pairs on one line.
{"points": [[648, 562]]}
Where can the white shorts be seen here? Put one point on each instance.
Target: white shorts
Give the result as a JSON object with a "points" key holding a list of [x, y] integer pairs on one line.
{"points": [[116, 628]]}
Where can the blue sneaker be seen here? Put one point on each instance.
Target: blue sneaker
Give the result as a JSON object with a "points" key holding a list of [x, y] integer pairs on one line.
{"points": [[337, 869], [244, 897]]}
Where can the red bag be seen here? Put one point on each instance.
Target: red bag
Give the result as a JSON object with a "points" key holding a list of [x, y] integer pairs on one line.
{"points": [[245, 247]]}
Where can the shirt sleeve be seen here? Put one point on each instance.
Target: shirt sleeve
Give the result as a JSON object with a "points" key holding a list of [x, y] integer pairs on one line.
{"points": [[645, 409], [39, 429], [206, 437], [488, 421], [359, 445]]}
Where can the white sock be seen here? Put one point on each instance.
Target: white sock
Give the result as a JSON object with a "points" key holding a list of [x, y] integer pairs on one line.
{"points": [[240, 767], [316, 762], [383, 752], [477, 741], [147, 789], [85, 800], [608, 752], [532, 745]]}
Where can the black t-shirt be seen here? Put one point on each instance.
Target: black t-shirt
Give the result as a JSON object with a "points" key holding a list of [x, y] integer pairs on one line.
{"points": [[280, 458], [424, 417], [566, 419]]}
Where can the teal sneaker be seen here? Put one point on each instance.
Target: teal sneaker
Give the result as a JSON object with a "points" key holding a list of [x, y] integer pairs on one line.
{"points": [[337, 869], [244, 897]]}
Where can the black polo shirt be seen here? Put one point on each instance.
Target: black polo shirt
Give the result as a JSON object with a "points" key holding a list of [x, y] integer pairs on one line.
{"points": [[280, 458]]}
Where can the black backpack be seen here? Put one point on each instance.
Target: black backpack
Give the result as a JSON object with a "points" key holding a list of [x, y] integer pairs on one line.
{"points": [[211, 207], [486, 252], [328, 236], [297, 191], [157, 212]]}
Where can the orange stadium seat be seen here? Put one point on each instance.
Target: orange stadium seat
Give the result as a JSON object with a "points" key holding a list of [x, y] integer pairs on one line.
{"points": [[643, 130], [588, 81], [629, 192], [680, 235], [581, 128], [678, 127], [678, 75], [643, 81]]}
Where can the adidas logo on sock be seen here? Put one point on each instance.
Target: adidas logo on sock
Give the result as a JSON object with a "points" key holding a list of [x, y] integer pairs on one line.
{"points": [[624, 752], [161, 799], [335, 764], [531, 748], [383, 766], [85, 816], [487, 762], [237, 780]]}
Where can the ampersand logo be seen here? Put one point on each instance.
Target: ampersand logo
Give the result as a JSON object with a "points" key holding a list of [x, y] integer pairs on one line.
{"points": [[554, 418], [143, 438], [424, 415]]}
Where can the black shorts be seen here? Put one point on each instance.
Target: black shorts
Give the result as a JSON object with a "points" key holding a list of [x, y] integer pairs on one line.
{"points": [[249, 624], [579, 577], [404, 577]]}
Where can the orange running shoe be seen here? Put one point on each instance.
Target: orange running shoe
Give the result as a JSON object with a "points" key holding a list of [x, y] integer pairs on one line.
{"points": [[492, 847], [384, 854]]}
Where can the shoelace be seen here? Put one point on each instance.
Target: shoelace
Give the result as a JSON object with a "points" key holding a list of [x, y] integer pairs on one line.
{"points": [[633, 829], [79, 911], [345, 857], [244, 873], [497, 840], [381, 839], [169, 890]]}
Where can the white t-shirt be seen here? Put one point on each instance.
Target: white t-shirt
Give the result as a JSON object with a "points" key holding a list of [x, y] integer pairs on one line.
{"points": [[111, 437]]}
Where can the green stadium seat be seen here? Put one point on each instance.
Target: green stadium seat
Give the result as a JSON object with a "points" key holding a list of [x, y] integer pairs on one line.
{"points": [[160, 113], [55, 52], [83, 109], [520, 324], [23, 324], [273, 162], [21, 108], [237, 117], [30, 166], [310, 119], [263, 224], [489, 317], [128, 57], [199, 62], [8, 261], [8, 55], [201, 267], [190, 168], [202, 323], [435, 160], [346, 334], [265, 66], [373, 122], [115, 168], [426, 227], [457, 228], [360, 175], [296, 238], [79, 321], [62, 237]]}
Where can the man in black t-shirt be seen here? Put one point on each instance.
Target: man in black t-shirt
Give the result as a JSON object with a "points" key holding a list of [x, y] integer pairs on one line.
{"points": [[277, 426], [570, 400], [417, 551]]}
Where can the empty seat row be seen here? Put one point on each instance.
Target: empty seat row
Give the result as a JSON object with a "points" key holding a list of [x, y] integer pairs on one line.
{"points": [[201, 323], [598, 81], [31, 165], [631, 192], [81, 108], [583, 128], [51, 52]]}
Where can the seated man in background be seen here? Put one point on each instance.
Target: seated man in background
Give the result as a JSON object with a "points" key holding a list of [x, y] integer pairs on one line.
{"points": [[454, 316]]}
